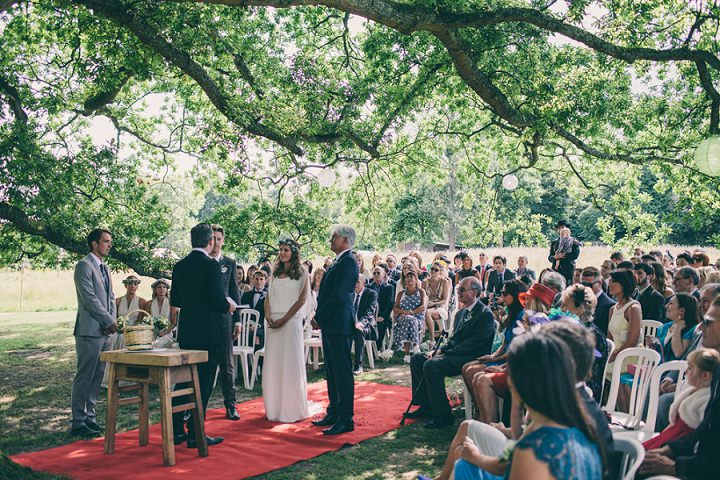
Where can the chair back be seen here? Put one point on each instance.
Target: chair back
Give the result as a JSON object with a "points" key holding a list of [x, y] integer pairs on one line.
{"points": [[611, 349], [676, 365], [633, 454], [649, 327], [249, 319], [645, 362]]}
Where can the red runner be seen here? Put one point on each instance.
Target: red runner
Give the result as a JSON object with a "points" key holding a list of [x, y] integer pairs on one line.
{"points": [[252, 445]]}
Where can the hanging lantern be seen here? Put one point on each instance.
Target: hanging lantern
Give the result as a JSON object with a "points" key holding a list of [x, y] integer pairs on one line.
{"points": [[510, 182], [326, 177], [707, 156]]}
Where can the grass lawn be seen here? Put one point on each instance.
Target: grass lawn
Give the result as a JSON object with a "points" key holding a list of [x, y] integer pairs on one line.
{"points": [[37, 364]]}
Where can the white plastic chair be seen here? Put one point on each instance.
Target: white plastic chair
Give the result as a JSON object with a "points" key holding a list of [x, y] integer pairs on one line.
{"points": [[633, 455], [645, 362], [245, 348], [611, 349], [313, 343], [649, 327], [256, 361], [680, 366]]}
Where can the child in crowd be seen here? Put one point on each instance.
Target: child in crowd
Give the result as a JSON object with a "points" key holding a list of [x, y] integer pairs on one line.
{"points": [[687, 410]]}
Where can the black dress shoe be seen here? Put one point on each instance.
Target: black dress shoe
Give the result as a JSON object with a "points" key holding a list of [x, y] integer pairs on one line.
{"points": [[340, 427], [326, 421], [210, 441], [93, 426], [419, 413], [357, 370], [84, 432], [440, 422], [179, 438], [231, 413]]}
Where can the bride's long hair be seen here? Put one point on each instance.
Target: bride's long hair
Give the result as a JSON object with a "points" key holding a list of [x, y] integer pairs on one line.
{"points": [[295, 270]]}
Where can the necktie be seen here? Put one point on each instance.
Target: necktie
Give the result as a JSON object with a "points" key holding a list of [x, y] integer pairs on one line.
{"points": [[464, 313], [356, 302], [106, 278]]}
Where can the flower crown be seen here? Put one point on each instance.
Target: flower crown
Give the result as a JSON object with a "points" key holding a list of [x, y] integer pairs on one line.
{"points": [[289, 242]]}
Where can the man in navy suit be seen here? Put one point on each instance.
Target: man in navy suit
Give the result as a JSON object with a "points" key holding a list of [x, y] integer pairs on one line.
{"points": [[365, 304], [651, 301], [199, 294], [591, 278], [498, 276], [336, 319]]}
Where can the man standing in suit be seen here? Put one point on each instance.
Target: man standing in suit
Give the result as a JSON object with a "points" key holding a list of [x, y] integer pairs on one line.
{"points": [[95, 320], [651, 301], [228, 281], [255, 298], [498, 276], [524, 272], [473, 336], [198, 293], [365, 302], [336, 319], [567, 260], [591, 278]]}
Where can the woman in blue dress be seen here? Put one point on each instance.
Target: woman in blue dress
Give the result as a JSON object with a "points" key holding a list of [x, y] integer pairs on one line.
{"points": [[514, 313], [560, 442], [409, 310]]}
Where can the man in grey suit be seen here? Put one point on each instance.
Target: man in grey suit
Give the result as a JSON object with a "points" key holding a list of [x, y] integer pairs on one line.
{"points": [[94, 322]]}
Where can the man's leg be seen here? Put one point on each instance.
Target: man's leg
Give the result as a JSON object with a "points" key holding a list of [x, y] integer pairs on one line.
{"points": [[329, 361], [96, 382], [420, 396], [88, 351], [344, 379], [206, 375], [227, 372], [359, 341], [435, 370], [382, 329]]}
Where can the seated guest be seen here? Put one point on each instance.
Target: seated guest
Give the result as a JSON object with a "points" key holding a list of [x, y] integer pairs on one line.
{"points": [[686, 280], [634, 260], [483, 267], [244, 283], [255, 299], [695, 456], [704, 273], [364, 305], [498, 276], [423, 269], [159, 306], [687, 410], [576, 275], [409, 310], [617, 257], [684, 260], [393, 272], [385, 298], [467, 269], [555, 282], [658, 281], [508, 316], [651, 301], [561, 442], [492, 439], [605, 269], [472, 338], [625, 315], [591, 278], [437, 288], [675, 337], [581, 302], [648, 259], [627, 264], [523, 270], [700, 259]]}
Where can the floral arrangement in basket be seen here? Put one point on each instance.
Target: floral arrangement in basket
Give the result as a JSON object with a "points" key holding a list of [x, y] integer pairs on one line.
{"points": [[455, 392], [121, 321], [385, 355], [160, 324]]}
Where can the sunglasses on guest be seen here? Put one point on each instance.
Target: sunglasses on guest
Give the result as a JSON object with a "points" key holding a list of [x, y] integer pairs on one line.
{"points": [[433, 269]]}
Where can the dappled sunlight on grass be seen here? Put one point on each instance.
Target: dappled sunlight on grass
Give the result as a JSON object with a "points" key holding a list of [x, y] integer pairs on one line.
{"points": [[7, 399]]}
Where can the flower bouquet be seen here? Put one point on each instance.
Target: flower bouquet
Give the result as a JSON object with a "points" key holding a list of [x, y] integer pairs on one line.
{"points": [[159, 324], [121, 322], [385, 355]]}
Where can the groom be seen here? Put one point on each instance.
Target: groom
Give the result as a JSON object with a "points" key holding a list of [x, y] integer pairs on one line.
{"points": [[335, 317]]}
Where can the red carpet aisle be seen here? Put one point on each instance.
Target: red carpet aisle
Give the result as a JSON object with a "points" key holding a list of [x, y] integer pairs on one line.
{"points": [[252, 445]]}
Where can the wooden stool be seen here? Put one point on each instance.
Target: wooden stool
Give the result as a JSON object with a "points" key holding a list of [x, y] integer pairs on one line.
{"points": [[163, 368]]}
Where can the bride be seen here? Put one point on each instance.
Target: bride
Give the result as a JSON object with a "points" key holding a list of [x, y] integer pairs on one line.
{"points": [[284, 381]]}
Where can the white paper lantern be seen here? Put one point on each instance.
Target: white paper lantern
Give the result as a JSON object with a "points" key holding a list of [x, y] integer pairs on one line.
{"points": [[326, 177], [707, 156], [510, 182]]}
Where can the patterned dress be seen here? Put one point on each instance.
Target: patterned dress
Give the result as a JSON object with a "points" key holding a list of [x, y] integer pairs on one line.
{"points": [[407, 327]]}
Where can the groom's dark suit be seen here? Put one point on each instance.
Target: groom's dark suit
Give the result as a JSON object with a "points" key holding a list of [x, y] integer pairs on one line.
{"points": [[336, 318], [198, 293]]}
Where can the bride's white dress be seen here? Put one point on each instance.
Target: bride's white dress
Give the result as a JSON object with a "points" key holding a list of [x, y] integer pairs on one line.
{"points": [[284, 380]]}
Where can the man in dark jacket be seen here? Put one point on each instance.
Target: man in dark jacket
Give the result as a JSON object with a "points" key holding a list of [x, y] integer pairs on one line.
{"points": [[198, 293], [255, 299], [591, 278], [651, 301], [385, 299], [473, 336], [365, 305], [695, 456], [567, 260]]}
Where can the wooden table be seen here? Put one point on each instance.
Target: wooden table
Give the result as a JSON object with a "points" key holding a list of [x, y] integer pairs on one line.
{"points": [[162, 367]]}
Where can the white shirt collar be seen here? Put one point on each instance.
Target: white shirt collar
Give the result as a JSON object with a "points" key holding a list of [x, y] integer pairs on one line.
{"points": [[218, 258], [470, 307], [198, 249], [97, 259], [599, 293], [640, 292]]}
